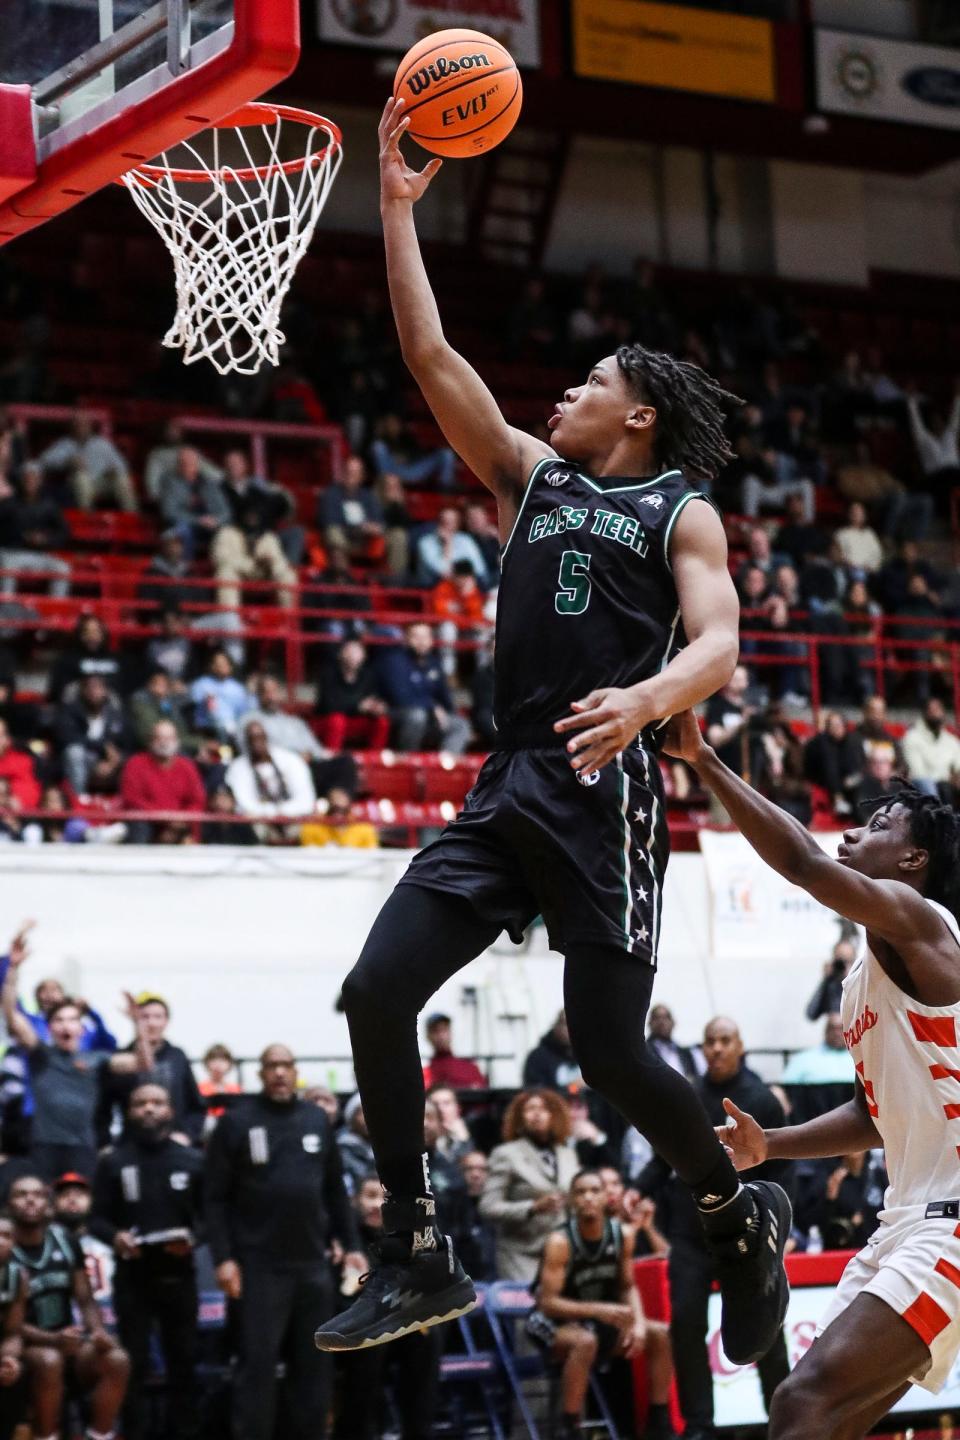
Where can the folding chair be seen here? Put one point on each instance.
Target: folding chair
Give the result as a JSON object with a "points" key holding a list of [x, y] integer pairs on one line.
{"points": [[508, 1305], [473, 1365]]}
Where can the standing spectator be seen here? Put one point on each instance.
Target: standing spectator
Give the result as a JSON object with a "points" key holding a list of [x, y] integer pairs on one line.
{"points": [[349, 706], [219, 1063], [439, 549], [147, 1204], [530, 1174], [937, 443], [859, 543], [90, 654], [825, 1000], [16, 767], [551, 1064], [422, 706], [248, 546], [692, 1267], [57, 1351], [267, 780], [396, 450], [169, 1068], [474, 1239], [833, 760], [821, 1077], [587, 1295], [162, 459], [160, 779], [13, 1309], [50, 993], [155, 701], [443, 1067], [353, 1142], [192, 502], [93, 736], [660, 1027], [221, 699], [349, 514], [93, 464], [459, 603], [275, 1199], [31, 526], [932, 752], [64, 1078]]}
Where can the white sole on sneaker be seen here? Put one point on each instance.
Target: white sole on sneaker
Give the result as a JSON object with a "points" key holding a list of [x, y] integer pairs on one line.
{"points": [[330, 1341]]}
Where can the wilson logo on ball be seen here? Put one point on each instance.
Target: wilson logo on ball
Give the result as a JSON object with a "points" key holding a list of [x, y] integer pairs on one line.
{"points": [[442, 69]]}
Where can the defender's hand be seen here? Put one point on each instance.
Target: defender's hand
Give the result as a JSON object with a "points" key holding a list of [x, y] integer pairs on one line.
{"points": [[683, 739], [744, 1140], [397, 180], [607, 721]]}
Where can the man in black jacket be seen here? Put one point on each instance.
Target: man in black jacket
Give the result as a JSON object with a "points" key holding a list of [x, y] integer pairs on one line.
{"points": [[692, 1270], [552, 1065], [171, 1069], [274, 1201], [147, 1204]]}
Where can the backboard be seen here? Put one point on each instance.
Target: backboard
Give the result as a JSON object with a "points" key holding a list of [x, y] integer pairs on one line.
{"points": [[91, 88]]}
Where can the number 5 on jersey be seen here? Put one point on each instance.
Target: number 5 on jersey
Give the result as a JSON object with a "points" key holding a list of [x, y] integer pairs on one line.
{"points": [[573, 595]]}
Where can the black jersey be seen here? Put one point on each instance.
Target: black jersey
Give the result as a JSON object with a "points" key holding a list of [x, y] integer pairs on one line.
{"points": [[51, 1268], [587, 596], [594, 1267]]}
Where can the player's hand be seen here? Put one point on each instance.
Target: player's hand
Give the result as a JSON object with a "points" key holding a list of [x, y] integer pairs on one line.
{"points": [[70, 1339], [683, 739], [100, 1341], [633, 1341], [602, 724], [744, 1140], [126, 1245], [10, 1370], [397, 180], [835, 1181], [230, 1279], [19, 946]]}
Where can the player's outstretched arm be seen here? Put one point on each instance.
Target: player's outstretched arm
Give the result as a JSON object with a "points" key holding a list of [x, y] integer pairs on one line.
{"points": [[847, 1130], [500, 456], [889, 908]]}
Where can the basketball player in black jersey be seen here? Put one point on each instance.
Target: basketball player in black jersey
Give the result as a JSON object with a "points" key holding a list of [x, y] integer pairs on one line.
{"points": [[616, 610]]}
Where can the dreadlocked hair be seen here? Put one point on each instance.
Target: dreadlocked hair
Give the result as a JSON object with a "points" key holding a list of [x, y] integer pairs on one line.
{"points": [[690, 406], [934, 827]]}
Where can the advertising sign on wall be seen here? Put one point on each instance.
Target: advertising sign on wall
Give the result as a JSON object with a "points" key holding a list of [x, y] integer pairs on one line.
{"points": [[888, 79], [398, 24], [673, 47]]}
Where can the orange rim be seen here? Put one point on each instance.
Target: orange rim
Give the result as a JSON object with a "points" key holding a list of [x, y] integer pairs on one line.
{"points": [[255, 113]]}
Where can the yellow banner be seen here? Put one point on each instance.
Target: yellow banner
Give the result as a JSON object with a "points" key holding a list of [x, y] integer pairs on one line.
{"points": [[642, 43]]}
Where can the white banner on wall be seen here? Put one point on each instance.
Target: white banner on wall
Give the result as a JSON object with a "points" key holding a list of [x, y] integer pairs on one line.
{"points": [[888, 79], [398, 24], [754, 913]]}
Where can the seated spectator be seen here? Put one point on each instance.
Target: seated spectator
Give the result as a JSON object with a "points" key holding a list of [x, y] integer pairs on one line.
{"points": [[753, 589], [397, 522], [349, 706], [267, 780], [225, 831], [826, 999], [728, 724], [166, 581], [781, 776], [589, 1312], [459, 603], [94, 738], [157, 700], [660, 1027], [349, 513], [761, 555], [13, 1309], [66, 1088], [481, 698], [90, 654], [588, 323], [481, 527], [923, 607], [161, 462], [594, 1146], [353, 1142], [342, 825], [798, 537], [248, 546], [893, 581], [171, 650], [17, 769], [93, 465], [221, 700], [160, 779], [858, 541], [633, 1209], [533, 322], [833, 760], [290, 732], [788, 680], [874, 734], [473, 1237], [769, 480], [439, 549], [341, 592], [396, 450], [877, 779], [454, 1138], [58, 1352], [446, 1177], [192, 502], [907, 514], [525, 1196], [443, 1067], [31, 526], [169, 1067], [937, 441], [842, 1200], [551, 1064], [828, 1063], [421, 705], [932, 752]]}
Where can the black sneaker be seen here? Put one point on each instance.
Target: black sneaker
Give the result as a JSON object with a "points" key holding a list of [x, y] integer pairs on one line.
{"points": [[753, 1283], [402, 1293]]}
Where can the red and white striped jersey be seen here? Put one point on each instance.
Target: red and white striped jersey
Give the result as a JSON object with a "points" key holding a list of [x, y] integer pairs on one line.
{"points": [[908, 1058]]}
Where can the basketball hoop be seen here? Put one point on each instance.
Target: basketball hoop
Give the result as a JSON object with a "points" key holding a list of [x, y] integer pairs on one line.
{"points": [[237, 241]]}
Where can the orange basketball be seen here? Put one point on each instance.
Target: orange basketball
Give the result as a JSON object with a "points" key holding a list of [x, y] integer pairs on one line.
{"points": [[461, 90]]}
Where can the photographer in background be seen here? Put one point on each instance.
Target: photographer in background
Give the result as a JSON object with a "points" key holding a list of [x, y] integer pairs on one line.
{"points": [[825, 1000]]}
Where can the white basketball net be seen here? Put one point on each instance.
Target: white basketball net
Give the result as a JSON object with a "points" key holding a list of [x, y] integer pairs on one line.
{"points": [[236, 242]]}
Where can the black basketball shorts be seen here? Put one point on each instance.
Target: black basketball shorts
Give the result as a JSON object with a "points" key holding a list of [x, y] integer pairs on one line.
{"points": [[534, 838]]}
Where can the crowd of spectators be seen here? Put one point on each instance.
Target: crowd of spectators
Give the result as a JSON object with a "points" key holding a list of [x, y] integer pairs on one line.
{"points": [[131, 1191]]}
